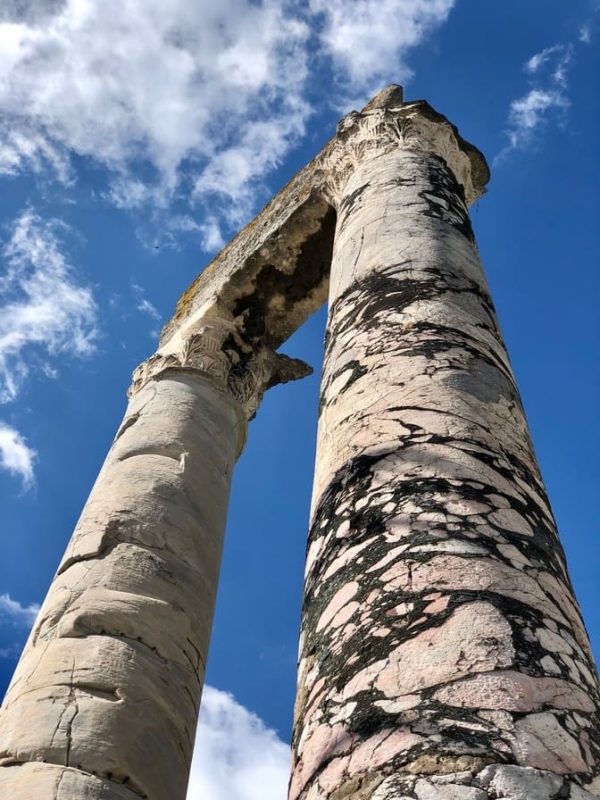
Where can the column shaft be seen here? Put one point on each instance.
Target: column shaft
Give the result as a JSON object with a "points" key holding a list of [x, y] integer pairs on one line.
{"points": [[440, 635], [104, 702]]}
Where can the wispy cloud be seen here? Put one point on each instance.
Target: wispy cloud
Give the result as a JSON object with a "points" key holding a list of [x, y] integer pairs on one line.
{"points": [[558, 57], [44, 310], [369, 40], [11, 652], [44, 313], [547, 100], [143, 305], [14, 614], [16, 457], [588, 29], [15, 623], [585, 34], [530, 112], [146, 307], [237, 757], [214, 97]]}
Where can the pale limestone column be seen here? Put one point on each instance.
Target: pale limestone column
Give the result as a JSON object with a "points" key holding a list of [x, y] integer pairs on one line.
{"points": [[442, 653], [104, 702]]}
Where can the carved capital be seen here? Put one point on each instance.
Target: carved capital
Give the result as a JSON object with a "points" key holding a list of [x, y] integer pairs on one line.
{"points": [[217, 350], [413, 126]]}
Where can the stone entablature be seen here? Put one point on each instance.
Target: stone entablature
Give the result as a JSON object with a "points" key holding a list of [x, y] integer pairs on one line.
{"points": [[275, 273], [277, 267]]}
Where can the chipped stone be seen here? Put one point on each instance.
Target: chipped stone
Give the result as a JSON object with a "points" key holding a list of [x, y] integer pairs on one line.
{"points": [[542, 742], [520, 783], [426, 790]]}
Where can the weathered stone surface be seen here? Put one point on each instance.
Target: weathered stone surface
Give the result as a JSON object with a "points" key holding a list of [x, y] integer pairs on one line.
{"points": [[110, 681], [520, 783], [36, 781], [441, 639], [439, 629], [495, 782], [425, 790]]}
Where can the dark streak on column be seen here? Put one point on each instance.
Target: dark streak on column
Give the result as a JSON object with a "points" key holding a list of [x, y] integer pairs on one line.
{"points": [[440, 633]]}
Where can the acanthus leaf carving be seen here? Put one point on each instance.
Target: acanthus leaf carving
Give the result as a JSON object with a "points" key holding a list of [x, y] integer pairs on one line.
{"points": [[413, 126], [217, 350]]}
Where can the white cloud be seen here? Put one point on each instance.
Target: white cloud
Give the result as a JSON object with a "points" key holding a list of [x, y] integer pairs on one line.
{"points": [[143, 305], [231, 173], [369, 40], [144, 84], [528, 113], [558, 57], [212, 236], [186, 100], [22, 144], [208, 230], [17, 619], [13, 612], [34, 11], [547, 100], [237, 757], [589, 27], [146, 307], [16, 456], [585, 34], [536, 60], [44, 311]]}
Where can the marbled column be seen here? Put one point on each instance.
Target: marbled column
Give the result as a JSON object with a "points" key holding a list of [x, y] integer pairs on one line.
{"points": [[104, 702], [442, 654]]}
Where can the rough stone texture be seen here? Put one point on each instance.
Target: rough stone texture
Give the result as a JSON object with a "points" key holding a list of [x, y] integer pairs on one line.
{"points": [[105, 699], [109, 683], [439, 629], [495, 782], [521, 783], [441, 640], [37, 781]]}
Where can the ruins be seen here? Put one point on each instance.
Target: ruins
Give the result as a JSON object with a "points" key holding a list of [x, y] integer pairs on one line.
{"points": [[442, 654]]}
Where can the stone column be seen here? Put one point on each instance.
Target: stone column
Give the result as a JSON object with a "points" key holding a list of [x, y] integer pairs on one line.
{"points": [[104, 702], [442, 655]]}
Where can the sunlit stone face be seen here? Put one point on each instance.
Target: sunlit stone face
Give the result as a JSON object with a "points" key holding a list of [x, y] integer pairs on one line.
{"points": [[440, 636]]}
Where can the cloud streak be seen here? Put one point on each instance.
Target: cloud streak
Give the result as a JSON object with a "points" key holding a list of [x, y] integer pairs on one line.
{"points": [[530, 112], [44, 311], [559, 57], [546, 101], [13, 613]]}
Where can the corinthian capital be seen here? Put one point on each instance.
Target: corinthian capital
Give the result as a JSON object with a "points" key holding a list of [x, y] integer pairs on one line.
{"points": [[387, 123], [216, 348]]}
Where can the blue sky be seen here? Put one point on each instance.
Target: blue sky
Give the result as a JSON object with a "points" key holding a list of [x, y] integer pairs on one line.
{"points": [[135, 139]]}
